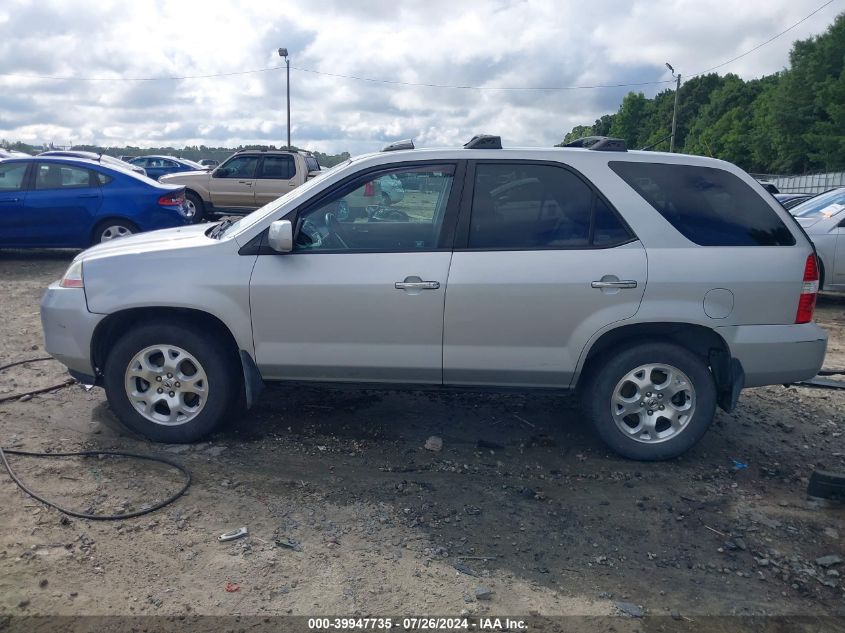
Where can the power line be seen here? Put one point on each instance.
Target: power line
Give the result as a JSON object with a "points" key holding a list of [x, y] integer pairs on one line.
{"points": [[768, 41], [462, 87], [163, 78]]}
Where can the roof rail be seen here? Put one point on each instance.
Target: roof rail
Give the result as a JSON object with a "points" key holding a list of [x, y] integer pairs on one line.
{"points": [[484, 141], [600, 144], [407, 143]]}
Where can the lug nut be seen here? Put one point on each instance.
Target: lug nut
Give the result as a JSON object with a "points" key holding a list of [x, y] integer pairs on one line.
{"points": [[648, 393], [662, 407], [160, 390], [660, 396], [650, 412], [172, 393], [158, 378], [178, 384], [642, 404], [169, 375]]}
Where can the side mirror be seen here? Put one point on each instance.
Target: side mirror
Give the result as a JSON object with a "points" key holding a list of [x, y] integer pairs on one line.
{"points": [[220, 172], [280, 236]]}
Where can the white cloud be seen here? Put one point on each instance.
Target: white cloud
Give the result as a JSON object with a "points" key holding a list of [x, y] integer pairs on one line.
{"points": [[505, 43]]}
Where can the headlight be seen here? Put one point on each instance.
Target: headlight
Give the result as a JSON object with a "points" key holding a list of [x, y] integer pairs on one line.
{"points": [[73, 276]]}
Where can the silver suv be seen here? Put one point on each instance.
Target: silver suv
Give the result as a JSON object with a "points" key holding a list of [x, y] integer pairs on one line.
{"points": [[657, 285]]}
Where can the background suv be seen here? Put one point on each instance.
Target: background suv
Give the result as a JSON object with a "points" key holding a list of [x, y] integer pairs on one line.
{"points": [[244, 181], [657, 285]]}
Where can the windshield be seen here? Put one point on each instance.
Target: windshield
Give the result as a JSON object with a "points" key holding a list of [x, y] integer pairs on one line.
{"points": [[259, 214], [823, 205]]}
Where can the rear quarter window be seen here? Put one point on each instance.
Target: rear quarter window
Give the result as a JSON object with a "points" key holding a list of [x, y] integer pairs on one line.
{"points": [[708, 206]]}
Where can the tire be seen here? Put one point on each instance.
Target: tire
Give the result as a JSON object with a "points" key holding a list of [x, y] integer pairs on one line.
{"points": [[208, 394], [619, 408], [195, 207], [108, 230]]}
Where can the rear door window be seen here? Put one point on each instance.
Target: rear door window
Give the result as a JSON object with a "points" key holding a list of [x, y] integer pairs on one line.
{"points": [[277, 168], [57, 176], [708, 206], [520, 206]]}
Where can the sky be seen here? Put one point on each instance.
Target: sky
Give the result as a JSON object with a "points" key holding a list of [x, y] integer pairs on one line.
{"points": [[490, 44]]}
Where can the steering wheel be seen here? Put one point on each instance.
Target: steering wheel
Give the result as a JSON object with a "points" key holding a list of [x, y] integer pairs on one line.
{"points": [[310, 231]]}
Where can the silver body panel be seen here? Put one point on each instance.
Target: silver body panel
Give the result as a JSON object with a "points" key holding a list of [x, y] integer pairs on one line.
{"points": [[502, 318]]}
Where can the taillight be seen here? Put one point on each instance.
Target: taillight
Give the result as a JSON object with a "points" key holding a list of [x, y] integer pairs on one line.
{"points": [[174, 199], [807, 301]]}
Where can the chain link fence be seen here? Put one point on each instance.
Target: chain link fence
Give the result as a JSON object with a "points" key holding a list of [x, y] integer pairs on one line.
{"points": [[806, 183]]}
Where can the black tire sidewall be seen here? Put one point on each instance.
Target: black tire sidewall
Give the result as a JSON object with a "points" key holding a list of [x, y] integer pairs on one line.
{"points": [[599, 388], [218, 366]]}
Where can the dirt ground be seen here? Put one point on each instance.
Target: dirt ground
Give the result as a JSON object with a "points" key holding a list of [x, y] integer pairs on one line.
{"points": [[522, 500]]}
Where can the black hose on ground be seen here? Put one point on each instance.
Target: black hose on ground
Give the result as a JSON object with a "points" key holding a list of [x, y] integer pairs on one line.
{"points": [[84, 515]]}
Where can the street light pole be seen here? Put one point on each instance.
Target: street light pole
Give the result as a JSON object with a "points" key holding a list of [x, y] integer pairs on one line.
{"points": [[675, 110], [283, 52]]}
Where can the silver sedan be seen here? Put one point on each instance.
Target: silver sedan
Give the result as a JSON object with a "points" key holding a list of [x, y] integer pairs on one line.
{"points": [[823, 218]]}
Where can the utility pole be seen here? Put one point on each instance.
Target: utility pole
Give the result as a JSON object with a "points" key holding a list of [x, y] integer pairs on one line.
{"points": [[675, 110], [283, 52]]}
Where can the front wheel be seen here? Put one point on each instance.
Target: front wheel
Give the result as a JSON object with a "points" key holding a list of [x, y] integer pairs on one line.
{"points": [[650, 401], [171, 383]]}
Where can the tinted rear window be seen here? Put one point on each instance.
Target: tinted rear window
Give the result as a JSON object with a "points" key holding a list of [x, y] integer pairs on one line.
{"points": [[708, 206]]}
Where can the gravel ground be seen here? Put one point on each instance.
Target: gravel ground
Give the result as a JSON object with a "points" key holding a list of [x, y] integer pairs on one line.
{"points": [[349, 514]]}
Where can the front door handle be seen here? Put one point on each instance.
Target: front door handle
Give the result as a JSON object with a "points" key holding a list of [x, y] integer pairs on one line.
{"points": [[415, 283], [628, 283], [248, 183], [88, 195]]}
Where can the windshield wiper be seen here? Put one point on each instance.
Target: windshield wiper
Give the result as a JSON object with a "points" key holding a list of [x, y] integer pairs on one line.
{"points": [[218, 230]]}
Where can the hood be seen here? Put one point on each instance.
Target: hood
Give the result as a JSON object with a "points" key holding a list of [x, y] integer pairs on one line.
{"points": [[179, 176], [165, 239]]}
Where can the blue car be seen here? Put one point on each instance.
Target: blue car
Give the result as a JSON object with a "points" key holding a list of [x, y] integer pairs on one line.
{"points": [[158, 166], [52, 202]]}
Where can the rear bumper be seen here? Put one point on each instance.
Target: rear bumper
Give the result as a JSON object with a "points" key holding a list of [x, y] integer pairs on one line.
{"points": [[68, 328], [776, 354]]}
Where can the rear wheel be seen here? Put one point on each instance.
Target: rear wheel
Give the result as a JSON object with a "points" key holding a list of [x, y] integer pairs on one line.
{"points": [[170, 383], [650, 401], [113, 229], [194, 208]]}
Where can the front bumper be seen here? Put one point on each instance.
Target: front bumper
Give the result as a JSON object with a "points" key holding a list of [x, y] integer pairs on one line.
{"points": [[69, 328], [776, 354]]}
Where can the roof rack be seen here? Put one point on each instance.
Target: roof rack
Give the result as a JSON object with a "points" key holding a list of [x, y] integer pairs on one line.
{"points": [[408, 143], [600, 144], [484, 141]]}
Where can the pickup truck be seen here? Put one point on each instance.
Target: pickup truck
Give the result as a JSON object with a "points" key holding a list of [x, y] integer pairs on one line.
{"points": [[243, 182]]}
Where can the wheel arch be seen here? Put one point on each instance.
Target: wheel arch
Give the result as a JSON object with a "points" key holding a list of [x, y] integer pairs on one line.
{"points": [[702, 341], [118, 323], [110, 218]]}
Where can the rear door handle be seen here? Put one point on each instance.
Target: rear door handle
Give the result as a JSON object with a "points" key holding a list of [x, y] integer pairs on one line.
{"points": [[417, 285], [11, 200], [248, 183], [628, 283], [88, 195]]}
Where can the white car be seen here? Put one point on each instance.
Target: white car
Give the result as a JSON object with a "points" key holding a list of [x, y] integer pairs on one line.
{"points": [[823, 218]]}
